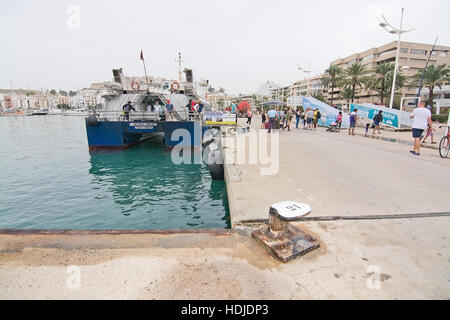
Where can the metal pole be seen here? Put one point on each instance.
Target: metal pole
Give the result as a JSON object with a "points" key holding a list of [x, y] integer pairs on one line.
{"points": [[145, 71], [307, 84], [423, 73], [396, 61]]}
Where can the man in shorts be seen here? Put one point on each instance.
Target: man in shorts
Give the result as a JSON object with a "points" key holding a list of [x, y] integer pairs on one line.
{"points": [[422, 119], [309, 120]]}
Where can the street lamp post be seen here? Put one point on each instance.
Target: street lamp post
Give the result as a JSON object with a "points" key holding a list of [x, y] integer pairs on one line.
{"points": [[394, 30], [425, 69], [308, 71]]}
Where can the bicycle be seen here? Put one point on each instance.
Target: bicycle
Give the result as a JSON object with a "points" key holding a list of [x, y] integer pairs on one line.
{"points": [[444, 145], [124, 117]]}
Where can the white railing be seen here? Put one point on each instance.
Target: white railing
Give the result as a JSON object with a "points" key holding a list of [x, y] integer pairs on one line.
{"points": [[145, 116]]}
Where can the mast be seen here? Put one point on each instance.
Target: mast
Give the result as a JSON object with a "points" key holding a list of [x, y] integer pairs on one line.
{"points": [[179, 66]]}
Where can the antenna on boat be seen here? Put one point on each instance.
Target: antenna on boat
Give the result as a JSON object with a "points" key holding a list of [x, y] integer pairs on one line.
{"points": [[145, 70], [179, 66]]}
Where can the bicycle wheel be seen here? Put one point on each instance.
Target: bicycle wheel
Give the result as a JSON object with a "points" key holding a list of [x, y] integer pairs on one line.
{"points": [[122, 118], [444, 147]]}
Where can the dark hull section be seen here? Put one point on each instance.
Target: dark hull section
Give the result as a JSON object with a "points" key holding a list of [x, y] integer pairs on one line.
{"points": [[123, 134]]}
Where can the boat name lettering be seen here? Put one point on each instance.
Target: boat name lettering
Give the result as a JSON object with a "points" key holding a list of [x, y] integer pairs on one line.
{"points": [[145, 125]]}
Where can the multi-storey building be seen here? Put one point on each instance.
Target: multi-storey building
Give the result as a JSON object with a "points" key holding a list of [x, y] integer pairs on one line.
{"points": [[219, 100], [312, 86], [412, 60]]}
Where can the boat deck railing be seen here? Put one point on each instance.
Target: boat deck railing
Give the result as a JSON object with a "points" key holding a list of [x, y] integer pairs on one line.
{"points": [[183, 115]]}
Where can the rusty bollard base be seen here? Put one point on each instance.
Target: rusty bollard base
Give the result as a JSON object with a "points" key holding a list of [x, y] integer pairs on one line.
{"points": [[294, 243]]}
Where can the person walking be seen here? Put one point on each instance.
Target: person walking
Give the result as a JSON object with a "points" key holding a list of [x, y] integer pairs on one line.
{"points": [[376, 121], [272, 114], [288, 119], [310, 118], [430, 133], [249, 117], [233, 108], [315, 118], [263, 120], [303, 117], [353, 118], [339, 121], [298, 115], [422, 118]]}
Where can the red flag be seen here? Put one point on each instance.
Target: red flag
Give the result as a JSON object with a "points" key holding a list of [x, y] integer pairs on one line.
{"points": [[142, 55]]}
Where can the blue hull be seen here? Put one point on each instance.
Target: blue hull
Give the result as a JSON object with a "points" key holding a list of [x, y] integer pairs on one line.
{"points": [[123, 134]]}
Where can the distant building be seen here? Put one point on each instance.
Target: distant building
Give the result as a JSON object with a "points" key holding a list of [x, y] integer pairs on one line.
{"points": [[280, 93], [219, 100], [8, 102], [312, 85]]}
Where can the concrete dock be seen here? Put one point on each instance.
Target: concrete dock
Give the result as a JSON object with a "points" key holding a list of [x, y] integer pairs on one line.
{"points": [[396, 248], [342, 175]]}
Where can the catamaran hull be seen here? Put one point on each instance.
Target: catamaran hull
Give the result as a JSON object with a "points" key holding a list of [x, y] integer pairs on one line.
{"points": [[124, 134]]}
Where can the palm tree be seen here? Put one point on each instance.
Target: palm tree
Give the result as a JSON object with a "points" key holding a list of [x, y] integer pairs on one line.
{"points": [[355, 76], [346, 95], [332, 78], [400, 82], [435, 76], [319, 96], [381, 80]]}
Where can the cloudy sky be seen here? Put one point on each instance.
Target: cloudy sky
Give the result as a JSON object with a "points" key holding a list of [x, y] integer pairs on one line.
{"points": [[236, 44]]}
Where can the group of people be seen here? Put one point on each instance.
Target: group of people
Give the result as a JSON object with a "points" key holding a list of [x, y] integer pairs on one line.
{"points": [[422, 123], [310, 118], [152, 106], [193, 108], [168, 110], [276, 119]]}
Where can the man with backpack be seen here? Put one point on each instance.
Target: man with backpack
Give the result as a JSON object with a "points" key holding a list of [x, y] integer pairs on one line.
{"points": [[316, 118]]}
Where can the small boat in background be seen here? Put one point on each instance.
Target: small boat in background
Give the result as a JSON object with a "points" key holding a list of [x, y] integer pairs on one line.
{"points": [[76, 112], [42, 112], [54, 111], [12, 112]]}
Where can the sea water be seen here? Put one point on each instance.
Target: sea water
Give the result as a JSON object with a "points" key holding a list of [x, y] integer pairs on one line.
{"points": [[49, 180]]}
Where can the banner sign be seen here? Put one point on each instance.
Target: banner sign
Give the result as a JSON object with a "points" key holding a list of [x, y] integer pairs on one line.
{"points": [[328, 113], [389, 118], [220, 118]]}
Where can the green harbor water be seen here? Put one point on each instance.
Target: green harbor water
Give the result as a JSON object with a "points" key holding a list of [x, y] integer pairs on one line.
{"points": [[49, 180]]}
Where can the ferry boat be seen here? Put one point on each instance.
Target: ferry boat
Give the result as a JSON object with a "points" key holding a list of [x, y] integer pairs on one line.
{"points": [[110, 128]]}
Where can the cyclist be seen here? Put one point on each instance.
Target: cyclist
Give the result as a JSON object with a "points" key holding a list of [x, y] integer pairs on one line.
{"points": [[126, 110]]}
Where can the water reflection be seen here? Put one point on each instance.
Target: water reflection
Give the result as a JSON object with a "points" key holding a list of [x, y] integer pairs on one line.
{"points": [[149, 189]]}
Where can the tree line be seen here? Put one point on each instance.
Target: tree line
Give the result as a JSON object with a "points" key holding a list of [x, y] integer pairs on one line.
{"points": [[357, 77]]}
